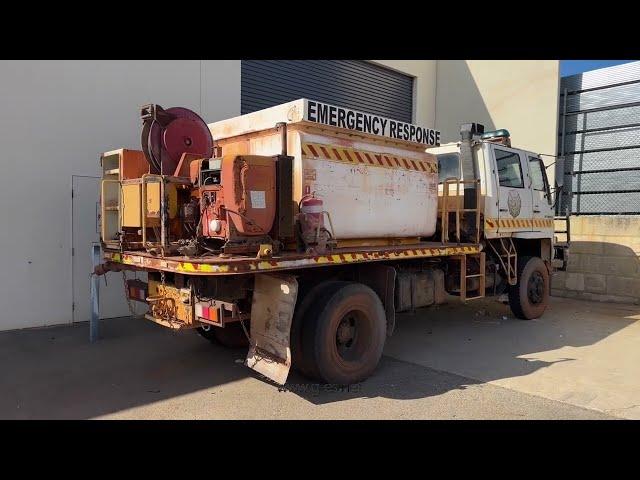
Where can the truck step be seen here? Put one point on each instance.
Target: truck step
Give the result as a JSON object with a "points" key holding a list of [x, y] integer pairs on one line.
{"points": [[474, 298], [464, 276]]}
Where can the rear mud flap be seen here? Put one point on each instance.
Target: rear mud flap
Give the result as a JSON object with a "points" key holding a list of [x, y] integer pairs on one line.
{"points": [[274, 299]]}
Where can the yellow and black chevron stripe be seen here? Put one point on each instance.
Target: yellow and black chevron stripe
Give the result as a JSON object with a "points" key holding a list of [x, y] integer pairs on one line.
{"points": [[495, 223], [363, 157], [252, 264]]}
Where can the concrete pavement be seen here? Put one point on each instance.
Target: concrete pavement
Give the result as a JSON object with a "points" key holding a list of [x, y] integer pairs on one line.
{"points": [[448, 362], [581, 353]]}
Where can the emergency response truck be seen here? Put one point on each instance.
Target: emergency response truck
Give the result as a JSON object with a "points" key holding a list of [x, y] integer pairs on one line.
{"points": [[301, 230]]}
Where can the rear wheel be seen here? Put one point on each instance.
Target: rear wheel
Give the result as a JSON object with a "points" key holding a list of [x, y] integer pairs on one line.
{"points": [[344, 337], [529, 297], [309, 305]]}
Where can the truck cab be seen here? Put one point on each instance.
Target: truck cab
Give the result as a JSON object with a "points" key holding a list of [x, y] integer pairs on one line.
{"points": [[514, 207], [515, 194]]}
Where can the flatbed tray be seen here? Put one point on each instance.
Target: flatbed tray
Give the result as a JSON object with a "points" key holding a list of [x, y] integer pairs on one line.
{"points": [[239, 264]]}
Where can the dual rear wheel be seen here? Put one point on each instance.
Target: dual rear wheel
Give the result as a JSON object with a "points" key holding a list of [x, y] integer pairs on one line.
{"points": [[337, 335], [338, 332]]}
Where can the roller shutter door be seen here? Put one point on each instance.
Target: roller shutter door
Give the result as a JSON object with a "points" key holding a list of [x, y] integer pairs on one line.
{"points": [[354, 84]]}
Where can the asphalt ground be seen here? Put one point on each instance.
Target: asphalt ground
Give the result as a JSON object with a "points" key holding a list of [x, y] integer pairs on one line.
{"points": [[475, 361]]}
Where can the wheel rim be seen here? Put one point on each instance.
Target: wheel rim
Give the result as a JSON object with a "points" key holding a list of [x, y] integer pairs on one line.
{"points": [[535, 288], [350, 339]]}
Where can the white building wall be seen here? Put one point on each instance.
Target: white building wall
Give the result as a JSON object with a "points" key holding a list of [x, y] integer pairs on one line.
{"points": [[519, 95], [56, 117]]}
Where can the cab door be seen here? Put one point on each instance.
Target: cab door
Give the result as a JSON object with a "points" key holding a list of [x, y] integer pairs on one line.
{"points": [[540, 194], [515, 209]]}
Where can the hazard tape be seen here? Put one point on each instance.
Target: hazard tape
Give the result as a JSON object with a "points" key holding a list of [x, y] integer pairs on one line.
{"points": [[495, 223], [363, 157]]}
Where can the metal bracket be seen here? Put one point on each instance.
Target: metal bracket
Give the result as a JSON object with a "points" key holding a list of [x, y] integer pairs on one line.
{"points": [[508, 257]]}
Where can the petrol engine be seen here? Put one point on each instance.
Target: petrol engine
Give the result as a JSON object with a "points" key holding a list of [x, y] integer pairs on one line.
{"points": [[182, 195], [238, 200]]}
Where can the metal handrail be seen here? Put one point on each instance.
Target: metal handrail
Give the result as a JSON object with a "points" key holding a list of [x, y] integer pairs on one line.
{"points": [[445, 210]]}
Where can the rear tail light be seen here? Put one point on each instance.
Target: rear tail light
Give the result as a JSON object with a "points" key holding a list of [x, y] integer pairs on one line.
{"points": [[206, 311]]}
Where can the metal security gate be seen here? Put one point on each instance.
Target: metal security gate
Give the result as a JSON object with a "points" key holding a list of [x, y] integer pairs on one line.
{"points": [[355, 84], [600, 141]]}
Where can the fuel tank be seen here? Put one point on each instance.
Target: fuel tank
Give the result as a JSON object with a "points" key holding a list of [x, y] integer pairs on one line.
{"points": [[370, 186]]}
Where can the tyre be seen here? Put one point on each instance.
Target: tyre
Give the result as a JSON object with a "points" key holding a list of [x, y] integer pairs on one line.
{"points": [[310, 304], [529, 297], [231, 335], [344, 337]]}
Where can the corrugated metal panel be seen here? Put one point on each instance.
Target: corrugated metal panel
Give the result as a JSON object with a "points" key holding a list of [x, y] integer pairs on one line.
{"points": [[603, 76], [354, 84], [607, 181], [621, 203], [627, 158], [603, 119], [605, 139], [600, 98], [612, 139]]}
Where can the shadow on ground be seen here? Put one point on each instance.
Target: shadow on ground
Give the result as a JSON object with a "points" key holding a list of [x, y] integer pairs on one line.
{"points": [[481, 341], [57, 373]]}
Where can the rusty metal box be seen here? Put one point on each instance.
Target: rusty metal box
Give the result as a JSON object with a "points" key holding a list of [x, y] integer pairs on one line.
{"points": [[131, 205], [153, 202], [416, 289]]}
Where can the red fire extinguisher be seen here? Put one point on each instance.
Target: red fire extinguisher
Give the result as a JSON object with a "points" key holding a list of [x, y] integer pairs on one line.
{"points": [[311, 218]]}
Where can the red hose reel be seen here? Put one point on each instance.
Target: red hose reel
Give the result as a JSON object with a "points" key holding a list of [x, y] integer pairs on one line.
{"points": [[168, 134]]}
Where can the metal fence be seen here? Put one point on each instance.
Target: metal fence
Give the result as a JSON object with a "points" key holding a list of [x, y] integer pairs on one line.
{"points": [[599, 140]]}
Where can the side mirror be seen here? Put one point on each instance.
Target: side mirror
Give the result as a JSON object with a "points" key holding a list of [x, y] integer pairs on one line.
{"points": [[549, 194], [559, 163]]}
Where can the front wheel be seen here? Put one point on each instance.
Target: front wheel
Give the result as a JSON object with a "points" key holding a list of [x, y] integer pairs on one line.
{"points": [[529, 297]]}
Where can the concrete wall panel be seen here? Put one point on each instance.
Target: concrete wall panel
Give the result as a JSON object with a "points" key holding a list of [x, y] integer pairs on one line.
{"points": [[56, 119]]}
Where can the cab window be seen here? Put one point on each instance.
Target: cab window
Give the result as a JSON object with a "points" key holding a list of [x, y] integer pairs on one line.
{"points": [[509, 169], [538, 176], [448, 166]]}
